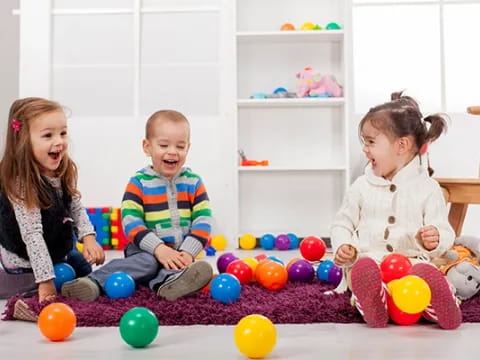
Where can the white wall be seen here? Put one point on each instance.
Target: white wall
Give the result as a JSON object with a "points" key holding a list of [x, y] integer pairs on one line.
{"points": [[9, 35]]}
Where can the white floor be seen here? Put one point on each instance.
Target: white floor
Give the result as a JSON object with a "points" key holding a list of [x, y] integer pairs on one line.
{"points": [[21, 340]]}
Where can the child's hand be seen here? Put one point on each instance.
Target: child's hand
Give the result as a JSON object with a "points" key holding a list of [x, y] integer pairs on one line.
{"points": [[92, 252], [429, 237], [187, 256], [46, 290], [170, 258], [345, 254]]}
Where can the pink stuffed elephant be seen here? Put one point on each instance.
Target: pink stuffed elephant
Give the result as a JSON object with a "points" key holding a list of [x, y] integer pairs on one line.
{"points": [[311, 83]]}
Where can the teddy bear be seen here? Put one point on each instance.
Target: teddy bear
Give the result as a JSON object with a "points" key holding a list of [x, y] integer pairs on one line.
{"points": [[312, 84], [461, 266]]}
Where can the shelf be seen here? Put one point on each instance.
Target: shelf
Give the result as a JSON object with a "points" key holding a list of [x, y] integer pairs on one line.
{"points": [[314, 36], [247, 169], [290, 102]]}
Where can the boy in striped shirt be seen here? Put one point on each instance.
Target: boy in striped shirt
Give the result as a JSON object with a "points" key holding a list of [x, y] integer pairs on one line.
{"points": [[166, 216]]}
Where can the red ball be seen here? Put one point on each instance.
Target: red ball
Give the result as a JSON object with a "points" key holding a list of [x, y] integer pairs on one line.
{"points": [[312, 248], [395, 266], [398, 316], [241, 271]]}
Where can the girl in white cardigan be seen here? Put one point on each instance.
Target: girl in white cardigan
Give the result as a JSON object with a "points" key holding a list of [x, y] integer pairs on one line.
{"points": [[395, 207]]}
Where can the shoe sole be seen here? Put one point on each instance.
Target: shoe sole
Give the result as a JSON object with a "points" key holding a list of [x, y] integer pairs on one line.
{"points": [[367, 285], [81, 289], [193, 279], [448, 313], [21, 311]]}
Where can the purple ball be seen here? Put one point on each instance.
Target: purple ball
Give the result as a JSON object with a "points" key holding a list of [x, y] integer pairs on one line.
{"points": [[224, 260], [301, 270], [282, 242], [335, 275]]}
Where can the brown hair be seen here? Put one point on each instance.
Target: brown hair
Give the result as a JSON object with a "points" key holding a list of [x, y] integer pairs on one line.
{"points": [[169, 115], [20, 175], [401, 117]]}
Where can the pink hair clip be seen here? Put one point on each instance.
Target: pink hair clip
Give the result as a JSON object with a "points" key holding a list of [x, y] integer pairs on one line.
{"points": [[16, 125]]}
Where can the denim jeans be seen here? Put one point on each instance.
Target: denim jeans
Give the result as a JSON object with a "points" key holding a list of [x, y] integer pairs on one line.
{"points": [[76, 260]]}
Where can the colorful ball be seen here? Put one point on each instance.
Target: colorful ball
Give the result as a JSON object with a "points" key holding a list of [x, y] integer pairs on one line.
{"points": [[241, 271], [271, 275], [333, 26], [287, 27], [63, 273], [57, 321], [260, 257], [276, 259], [225, 288], [223, 261], [119, 285], [324, 269], [312, 248], [255, 336], [219, 242], [292, 261], [138, 327], [247, 242], [253, 263], [411, 294], [335, 275], [398, 316], [395, 266], [294, 240], [301, 270], [282, 242], [307, 26], [267, 241]]}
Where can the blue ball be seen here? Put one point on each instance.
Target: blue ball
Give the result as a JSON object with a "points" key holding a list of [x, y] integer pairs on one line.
{"points": [[63, 273], [119, 285], [276, 259], [267, 241], [294, 240], [225, 288], [323, 270]]}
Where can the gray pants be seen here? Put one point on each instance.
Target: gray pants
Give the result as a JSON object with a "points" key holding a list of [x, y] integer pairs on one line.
{"points": [[143, 267], [13, 284]]}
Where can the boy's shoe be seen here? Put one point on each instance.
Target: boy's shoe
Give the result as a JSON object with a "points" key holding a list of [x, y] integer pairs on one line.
{"points": [[369, 293], [21, 311], [443, 307], [191, 280], [83, 289]]}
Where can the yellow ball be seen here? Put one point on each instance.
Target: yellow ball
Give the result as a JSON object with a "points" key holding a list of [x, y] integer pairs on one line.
{"points": [[200, 255], [411, 294], [255, 336], [308, 26], [248, 242], [252, 263], [79, 246], [219, 242]]}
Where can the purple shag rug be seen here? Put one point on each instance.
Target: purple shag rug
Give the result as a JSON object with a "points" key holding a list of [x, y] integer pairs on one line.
{"points": [[296, 303]]}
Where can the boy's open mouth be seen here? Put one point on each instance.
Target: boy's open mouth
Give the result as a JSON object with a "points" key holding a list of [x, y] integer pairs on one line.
{"points": [[170, 162]]}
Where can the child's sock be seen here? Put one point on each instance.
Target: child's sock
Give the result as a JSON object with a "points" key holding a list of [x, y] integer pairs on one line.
{"points": [[369, 293], [187, 282], [83, 289], [443, 307]]}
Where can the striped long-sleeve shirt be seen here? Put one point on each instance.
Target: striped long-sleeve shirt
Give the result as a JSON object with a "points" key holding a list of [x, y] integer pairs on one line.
{"points": [[157, 210]]}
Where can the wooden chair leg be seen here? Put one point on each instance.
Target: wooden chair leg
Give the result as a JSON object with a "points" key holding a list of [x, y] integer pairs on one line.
{"points": [[456, 217]]}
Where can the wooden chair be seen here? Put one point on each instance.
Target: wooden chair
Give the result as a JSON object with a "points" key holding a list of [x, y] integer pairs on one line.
{"points": [[460, 193]]}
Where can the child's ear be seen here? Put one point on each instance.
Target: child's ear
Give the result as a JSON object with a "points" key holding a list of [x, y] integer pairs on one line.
{"points": [[405, 144], [146, 147]]}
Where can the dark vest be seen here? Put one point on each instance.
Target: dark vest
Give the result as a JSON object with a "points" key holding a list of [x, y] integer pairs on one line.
{"points": [[56, 222]]}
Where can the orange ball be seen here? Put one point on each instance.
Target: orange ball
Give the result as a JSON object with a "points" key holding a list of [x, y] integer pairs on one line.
{"points": [[57, 321], [271, 275], [287, 26]]}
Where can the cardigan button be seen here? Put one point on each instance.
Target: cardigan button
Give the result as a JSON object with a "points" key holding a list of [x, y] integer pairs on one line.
{"points": [[386, 233], [393, 188], [389, 248], [391, 219]]}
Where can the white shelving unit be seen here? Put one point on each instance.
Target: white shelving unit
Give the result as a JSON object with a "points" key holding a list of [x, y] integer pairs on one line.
{"points": [[305, 140]]}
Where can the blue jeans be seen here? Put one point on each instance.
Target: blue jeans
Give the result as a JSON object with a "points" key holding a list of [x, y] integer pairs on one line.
{"points": [[76, 260]]}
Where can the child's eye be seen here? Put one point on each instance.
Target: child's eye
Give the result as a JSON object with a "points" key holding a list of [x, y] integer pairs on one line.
{"points": [[163, 145], [181, 147], [63, 133], [47, 135]]}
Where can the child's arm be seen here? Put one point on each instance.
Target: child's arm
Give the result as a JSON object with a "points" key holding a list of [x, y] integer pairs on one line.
{"points": [[92, 251], [31, 229], [200, 229], [437, 236], [344, 242]]}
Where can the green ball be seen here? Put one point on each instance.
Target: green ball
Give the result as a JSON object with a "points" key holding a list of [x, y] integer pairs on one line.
{"points": [[333, 26], [138, 327]]}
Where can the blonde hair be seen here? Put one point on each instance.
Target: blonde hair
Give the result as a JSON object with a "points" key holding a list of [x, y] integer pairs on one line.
{"points": [[20, 175], [166, 115]]}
